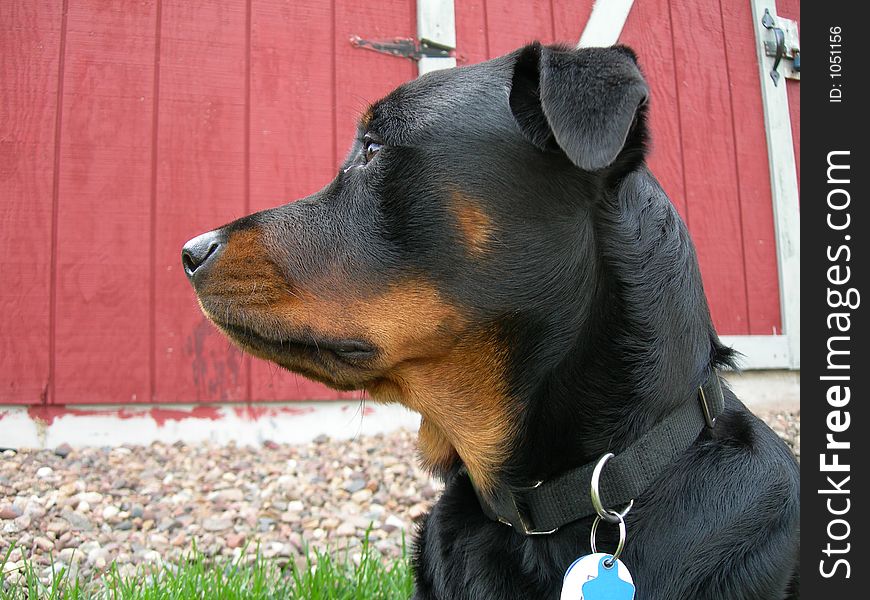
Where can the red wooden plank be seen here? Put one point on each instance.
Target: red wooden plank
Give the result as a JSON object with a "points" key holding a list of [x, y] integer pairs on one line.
{"points": [[648, 30], [200, 184], [569, 19], [753, 171], [512, 24], [707, 133], [30, 40], [103, 266], [363, 76], [292, 133], [472, 35]]}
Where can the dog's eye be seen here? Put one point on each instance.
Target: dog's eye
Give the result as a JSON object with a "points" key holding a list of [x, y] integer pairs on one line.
{"points": [[371, 146]]}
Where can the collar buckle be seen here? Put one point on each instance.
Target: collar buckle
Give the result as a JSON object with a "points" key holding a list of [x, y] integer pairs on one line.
{"points": [[514, 515], [709, 419]]}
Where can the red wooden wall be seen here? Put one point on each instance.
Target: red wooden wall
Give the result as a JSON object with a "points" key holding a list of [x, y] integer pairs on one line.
{"points": [[128, 127]]}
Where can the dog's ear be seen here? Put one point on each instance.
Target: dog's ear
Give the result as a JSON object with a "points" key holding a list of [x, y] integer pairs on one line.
{"points": [[585, 101]]}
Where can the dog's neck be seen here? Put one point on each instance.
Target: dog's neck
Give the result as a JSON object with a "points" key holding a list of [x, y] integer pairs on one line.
{"points": [[646, 346]]}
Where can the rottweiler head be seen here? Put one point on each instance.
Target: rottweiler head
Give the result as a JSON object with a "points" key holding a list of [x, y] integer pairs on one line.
{"points": [[452, 261]]}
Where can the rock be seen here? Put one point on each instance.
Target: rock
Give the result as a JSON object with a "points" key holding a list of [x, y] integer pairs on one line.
{"points": [[354, 485], [68, 555], [66, 540], [43, 543], [363, 495], [44, 472], [68, 489], [58, 526], [231, 495], [22, 522], [125, 525], [77, 521], [98, 557], [63, 450], [110, 512], [235, 540], [89, 547], [9, 512], [34, 510], [393, 523], [137, 511], [90, 497], [346, 529], [216, 524]]}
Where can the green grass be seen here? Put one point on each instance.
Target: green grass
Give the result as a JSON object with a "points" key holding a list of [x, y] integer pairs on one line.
{"points": [[324, 576]]}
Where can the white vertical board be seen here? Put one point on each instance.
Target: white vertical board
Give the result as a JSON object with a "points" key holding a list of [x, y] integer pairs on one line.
{"points": [[783, 183], [605, 23], [436, 26]]}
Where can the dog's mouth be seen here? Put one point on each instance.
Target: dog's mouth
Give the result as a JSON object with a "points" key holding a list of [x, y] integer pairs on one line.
{"points": [[342, 363]]}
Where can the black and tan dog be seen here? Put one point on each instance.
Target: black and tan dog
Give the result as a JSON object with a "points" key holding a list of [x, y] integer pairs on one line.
{"points": [[494, 255]]}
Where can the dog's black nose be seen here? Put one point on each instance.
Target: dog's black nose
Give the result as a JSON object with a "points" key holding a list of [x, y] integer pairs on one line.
{"points": [[200, 250]]}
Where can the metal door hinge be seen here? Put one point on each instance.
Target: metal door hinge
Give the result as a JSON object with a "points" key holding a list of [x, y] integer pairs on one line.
{"points": [[785, 47], [404, 47]]}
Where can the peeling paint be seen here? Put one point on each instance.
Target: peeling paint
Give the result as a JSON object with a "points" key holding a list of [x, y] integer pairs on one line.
{"points": [[162, 415], [254, 412]]}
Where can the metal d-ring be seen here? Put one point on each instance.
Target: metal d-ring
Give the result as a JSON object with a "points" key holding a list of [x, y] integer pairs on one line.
{"points": [[623, 534], [609, 515]]}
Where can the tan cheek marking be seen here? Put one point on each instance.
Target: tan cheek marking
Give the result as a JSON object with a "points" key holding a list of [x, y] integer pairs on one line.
{"points": [[465, 406], [475, 226], [457, 385]]}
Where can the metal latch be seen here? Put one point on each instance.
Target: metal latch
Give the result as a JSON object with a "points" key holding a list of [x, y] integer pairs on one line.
{"points": [[785, 46], [404, 47]]}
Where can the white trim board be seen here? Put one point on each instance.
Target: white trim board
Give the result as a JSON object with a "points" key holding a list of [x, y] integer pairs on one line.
{"points": [[605, 23], [436, 24], [783, 186], [282, 423], [760, 351]]}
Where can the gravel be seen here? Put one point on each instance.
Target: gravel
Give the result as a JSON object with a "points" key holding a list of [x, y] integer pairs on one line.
{"points": [[84, 508]]}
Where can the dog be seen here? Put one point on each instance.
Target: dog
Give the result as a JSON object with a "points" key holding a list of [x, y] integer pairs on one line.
{"points": [[495, 255]]}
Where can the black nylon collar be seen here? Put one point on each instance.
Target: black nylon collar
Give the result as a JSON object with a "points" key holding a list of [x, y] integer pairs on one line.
{"points": [[543, 508]]}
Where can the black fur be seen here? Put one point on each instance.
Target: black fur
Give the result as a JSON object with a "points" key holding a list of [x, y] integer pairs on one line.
{"points": [[589, 279]]}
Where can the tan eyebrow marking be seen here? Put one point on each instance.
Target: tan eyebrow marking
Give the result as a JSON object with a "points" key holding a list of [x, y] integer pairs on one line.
{"points": [[475, 226]]}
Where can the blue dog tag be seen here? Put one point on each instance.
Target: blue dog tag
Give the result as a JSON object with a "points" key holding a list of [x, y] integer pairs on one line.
{"points": [[588, 578]]}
